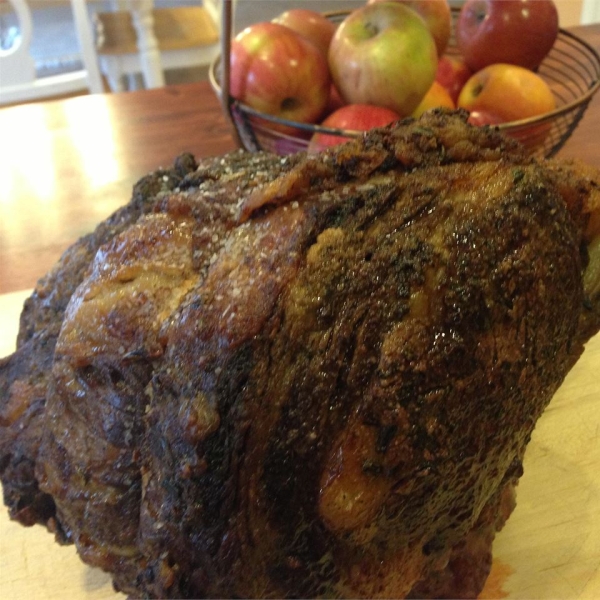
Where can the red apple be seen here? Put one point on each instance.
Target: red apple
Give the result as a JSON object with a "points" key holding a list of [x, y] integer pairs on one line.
{"points": [[483, 117], [437, 17], [531, 136], [352, 117], [335, 101], [277, 71], [452, 73], [510, 92], [519, 32], [383, 54], [314, 26]]}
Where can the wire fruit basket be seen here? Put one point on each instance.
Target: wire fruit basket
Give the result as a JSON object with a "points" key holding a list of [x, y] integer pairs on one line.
{"points": [[571, 69]]}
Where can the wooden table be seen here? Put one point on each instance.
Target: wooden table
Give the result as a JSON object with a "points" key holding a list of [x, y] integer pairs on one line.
{"points": [[65, 165]]}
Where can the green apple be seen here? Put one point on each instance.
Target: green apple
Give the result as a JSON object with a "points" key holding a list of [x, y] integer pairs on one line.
{"points": [[437, 17], [383, 54]]}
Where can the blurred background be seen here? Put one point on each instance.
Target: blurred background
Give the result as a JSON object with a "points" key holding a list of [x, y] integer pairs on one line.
{"points": [[58, 49]]}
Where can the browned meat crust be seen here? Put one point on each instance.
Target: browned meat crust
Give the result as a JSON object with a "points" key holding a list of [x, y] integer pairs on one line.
{"points": [[25, 374], [302, 377]]}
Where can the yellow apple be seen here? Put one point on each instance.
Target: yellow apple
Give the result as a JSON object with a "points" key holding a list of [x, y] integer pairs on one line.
{"points": [[510, 92], [436, 96]]}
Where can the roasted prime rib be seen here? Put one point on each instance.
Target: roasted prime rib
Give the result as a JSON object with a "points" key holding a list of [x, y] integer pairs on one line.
{"points": [[304, 376]]}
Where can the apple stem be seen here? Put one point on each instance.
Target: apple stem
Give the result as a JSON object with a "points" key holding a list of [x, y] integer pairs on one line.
{"points": [[480, 14], [477, 90], [372, 29], [288, 104]]}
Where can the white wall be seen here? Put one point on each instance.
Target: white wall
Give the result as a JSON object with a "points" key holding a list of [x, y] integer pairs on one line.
{"points": [[569, 11], [590, 12]]}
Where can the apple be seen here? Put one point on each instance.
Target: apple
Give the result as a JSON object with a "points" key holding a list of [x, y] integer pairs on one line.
{"points": [[452, 73], [437, 96], [437, 17], [277, 71], [313, 25], [510, 92], [483, 117], [519, 32], [383, 54], [531, 136], [335, 100], [352, 117]]}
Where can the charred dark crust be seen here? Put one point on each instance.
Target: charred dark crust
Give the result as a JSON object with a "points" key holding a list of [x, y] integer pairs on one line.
{"points": [[416, 293]]}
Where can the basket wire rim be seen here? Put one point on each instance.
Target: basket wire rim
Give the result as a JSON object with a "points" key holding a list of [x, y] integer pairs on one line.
{"points": [[221, 89]]}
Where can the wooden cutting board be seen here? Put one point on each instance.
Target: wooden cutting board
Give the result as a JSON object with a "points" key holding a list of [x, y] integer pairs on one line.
{"points": [[549, 549]]}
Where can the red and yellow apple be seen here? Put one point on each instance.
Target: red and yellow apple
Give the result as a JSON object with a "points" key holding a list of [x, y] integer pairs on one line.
{"points": [[352, 117], [452, 73], [277, 71], [509, 92], [436, 97], [314, 26], [519, 32], [383, 54], [437, 17]]}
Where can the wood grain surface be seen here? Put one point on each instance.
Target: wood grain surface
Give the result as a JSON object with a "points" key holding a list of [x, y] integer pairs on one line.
{"points": [[73, 162], [70, 163]]}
